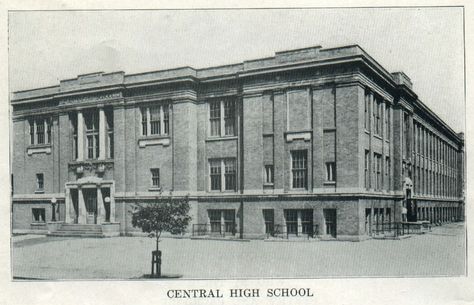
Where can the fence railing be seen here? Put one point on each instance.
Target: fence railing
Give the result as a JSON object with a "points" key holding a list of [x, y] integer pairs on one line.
{"points": [[225, 229], [281, 231], [400, 228]]}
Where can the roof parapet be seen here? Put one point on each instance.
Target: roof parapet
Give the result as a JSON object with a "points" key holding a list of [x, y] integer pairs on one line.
{"points": [[92, 80], [401, 78], [297, 54]]}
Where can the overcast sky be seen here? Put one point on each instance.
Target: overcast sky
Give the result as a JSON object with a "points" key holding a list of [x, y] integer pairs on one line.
{"points": [[425, 43]]}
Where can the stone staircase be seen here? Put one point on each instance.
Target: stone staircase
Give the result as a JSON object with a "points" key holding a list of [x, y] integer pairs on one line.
{"points": [[78, 230]]}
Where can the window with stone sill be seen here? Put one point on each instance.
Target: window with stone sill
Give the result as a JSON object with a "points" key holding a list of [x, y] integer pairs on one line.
{"points": [[222, 118], [268, 169], [91, 120], [40, 131], [155, 120], [366, 110], [330, 171], [39, 214], [222, 174], [155, 178], [39, 182], [299, 169]]}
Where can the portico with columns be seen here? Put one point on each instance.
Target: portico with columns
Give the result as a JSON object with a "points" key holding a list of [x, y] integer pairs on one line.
{"points": [[90, 200]]}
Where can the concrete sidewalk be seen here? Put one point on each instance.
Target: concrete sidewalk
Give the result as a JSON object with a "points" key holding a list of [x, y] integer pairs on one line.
{"points": [[437, 253]]}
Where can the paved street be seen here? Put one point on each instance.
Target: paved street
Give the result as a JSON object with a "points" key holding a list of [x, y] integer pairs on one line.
{"points": [[438, 253]]}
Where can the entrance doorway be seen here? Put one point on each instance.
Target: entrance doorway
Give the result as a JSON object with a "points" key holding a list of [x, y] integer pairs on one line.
{"points": [[411, 207], [330, 217], [106, 193], [75, 204], [90, 200]]}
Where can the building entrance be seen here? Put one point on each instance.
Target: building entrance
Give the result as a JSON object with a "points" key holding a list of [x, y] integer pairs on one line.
{"points": [[90, 200], [411, 207]]}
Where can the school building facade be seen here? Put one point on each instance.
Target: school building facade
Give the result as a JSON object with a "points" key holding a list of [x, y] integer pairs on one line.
{"points": [[313, 142]]}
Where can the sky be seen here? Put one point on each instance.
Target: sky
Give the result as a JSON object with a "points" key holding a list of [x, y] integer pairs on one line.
{"points": [[425, 43]]}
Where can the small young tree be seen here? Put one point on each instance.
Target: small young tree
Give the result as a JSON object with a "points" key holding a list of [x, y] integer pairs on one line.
{"points": [[163, 216]]}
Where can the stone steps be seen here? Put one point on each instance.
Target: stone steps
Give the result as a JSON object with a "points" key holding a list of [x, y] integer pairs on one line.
{"points": [[78, 230], [76, 234]]}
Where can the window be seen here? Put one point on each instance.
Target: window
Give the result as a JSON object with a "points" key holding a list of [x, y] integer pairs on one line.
{"points": [[366, 110], [304, 217], [222, 118], [144, 121], [291, 218], [230, 174], [366, 168], [229, 117], [387, 171], [387, 121], [222, 221], [215, 118], [377, 116], [166, 119], [307, 222], [330, 171], [73, 120], [38, 214], [229, 221], [215, 220], [378, 171], [155, 120], [378, 108], [39, 182], [269, 218], [269, 174], [110, 134], [215, 172], [32, 132], [40, 131], [91, 120], [406, 128], [299, 169], [155, 177], [48, 131], [223, 174]]}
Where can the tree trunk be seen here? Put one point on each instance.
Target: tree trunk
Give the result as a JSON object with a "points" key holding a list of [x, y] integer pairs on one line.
{"points": [[157, 241]]}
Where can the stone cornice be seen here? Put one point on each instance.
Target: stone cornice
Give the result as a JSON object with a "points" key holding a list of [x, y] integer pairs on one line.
{"points": [[312, 58]]}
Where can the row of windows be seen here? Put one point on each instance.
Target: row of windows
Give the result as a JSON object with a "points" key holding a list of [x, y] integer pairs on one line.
{"points": [[91, 122], [296, 221], [374, 107], [435, 163], [434, 183], [377, 183], [431, 146], [223, 173]]}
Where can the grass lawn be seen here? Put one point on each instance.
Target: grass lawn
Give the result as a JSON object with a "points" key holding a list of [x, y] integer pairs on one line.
{"points": [[438, 253]]}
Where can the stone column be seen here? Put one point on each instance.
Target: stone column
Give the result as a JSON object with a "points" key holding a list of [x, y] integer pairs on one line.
{"points": [[102, 134], [67, 203], [100, 206], [82, 213], [112, 202], [80, 136]]}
